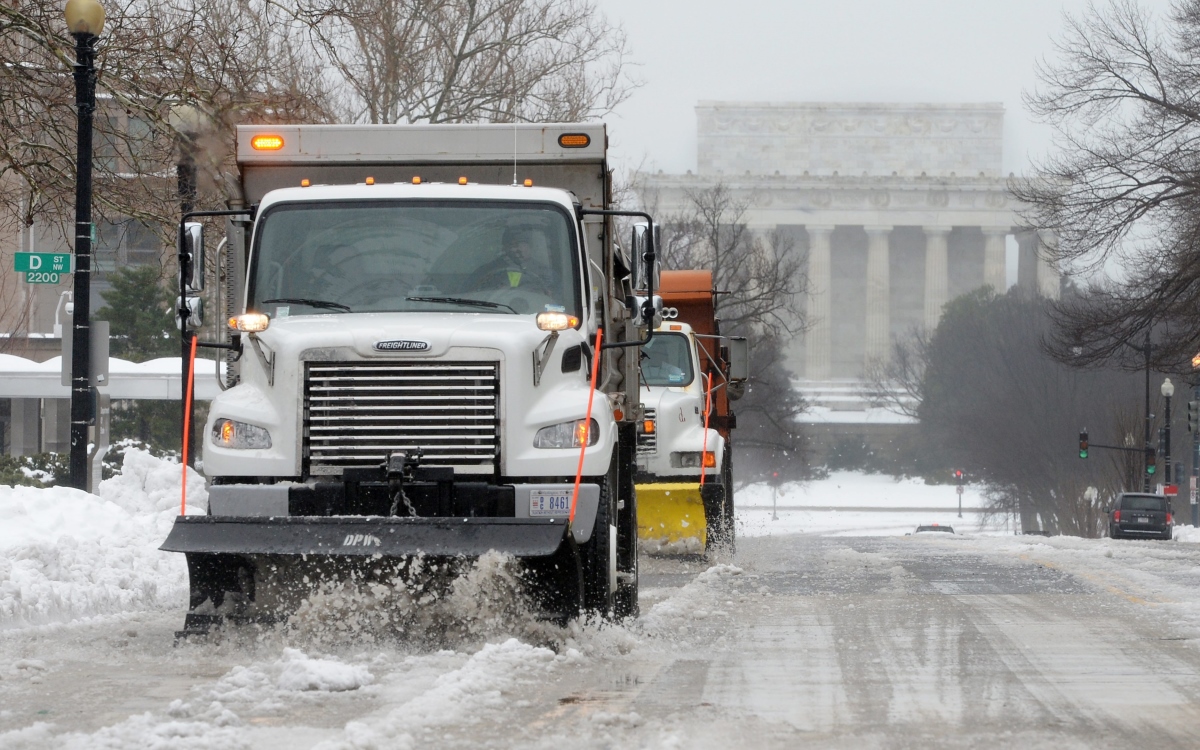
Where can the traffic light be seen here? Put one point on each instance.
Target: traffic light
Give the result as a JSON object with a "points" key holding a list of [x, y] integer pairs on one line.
{"points": [[1193, 416], [1083, 444], [1151, 460], [958, 475]]}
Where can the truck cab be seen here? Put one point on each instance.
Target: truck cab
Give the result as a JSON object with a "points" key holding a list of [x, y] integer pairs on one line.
{"points": [[675, 444]]}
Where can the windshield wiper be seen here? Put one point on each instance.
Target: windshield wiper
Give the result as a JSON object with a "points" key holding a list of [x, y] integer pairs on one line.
{"points": [[463, 301], [320, 303]]}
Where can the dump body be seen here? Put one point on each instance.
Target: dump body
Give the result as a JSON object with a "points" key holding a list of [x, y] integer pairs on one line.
{"points": [[421, 381], [684, 478]]}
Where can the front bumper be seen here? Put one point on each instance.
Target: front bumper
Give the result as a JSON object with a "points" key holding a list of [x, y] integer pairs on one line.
{"points": [[444, 499]]}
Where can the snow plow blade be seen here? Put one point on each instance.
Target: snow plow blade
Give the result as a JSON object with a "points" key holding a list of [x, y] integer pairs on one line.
{"points": [[366, 536], [260, 569], [671, 518]]}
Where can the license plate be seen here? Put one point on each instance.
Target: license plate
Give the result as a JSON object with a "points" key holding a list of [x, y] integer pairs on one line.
{"points": [[549, 503], [1143, 520]]}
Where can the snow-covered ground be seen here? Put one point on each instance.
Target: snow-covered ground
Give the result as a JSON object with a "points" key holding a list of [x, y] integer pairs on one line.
{"points": [[842, 505], [85, 591]]}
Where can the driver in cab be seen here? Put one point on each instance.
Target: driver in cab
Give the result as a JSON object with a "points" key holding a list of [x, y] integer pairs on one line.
{"points": [[515, 266]]}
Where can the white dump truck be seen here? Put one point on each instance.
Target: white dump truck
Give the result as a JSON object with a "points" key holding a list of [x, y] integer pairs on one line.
{"points": [[691, 374], [414, 314]]}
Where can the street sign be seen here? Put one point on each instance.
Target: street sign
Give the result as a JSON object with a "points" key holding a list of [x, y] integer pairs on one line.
{"points": [[959, 488], [43, 262], [44, 277], [1171, 490]]}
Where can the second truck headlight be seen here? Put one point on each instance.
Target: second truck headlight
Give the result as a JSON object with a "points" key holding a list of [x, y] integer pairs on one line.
{"points": [[230, 434], [694, 460], [567, 434]]}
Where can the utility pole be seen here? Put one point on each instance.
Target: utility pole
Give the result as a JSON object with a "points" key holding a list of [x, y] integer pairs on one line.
{"points": [[1168, 390], [775, 496], [1194, 428], [959, 476], [1149, 459]]}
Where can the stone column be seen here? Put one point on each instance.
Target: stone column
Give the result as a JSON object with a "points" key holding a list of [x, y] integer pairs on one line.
{"points": [[995, 271], [818, 355], [1047, 270], [878, 323], [1027, 260], [937, 275]]}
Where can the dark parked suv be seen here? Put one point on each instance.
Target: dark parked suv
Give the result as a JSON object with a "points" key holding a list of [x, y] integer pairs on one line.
{"points": [[1135, 514]]}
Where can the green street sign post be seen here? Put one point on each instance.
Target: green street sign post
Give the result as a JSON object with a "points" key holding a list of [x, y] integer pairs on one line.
{"points": [[42, 268]]}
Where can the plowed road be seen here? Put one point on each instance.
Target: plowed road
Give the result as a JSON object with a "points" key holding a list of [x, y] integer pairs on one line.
{"points": [[840, 643]]}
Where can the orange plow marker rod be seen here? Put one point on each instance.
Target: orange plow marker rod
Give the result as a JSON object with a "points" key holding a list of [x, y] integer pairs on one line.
{"points": [[707, 411], [587, 424]]}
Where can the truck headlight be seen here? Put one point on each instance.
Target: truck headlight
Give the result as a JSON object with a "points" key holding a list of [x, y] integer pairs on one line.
{"points": [[230, 434], [567, 434], [693, 460]]}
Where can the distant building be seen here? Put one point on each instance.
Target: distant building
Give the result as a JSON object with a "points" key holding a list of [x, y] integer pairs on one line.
{"points": [[899, 208]]}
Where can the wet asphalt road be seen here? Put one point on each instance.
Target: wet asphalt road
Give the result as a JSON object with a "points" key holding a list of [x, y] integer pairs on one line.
{"points": [[812, 642], [907, 642]]}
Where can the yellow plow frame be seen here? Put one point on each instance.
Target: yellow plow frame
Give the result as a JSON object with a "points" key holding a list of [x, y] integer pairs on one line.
{"points": [[671, 518]]}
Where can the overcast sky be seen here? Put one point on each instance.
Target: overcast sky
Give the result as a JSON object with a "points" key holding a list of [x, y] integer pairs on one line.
{"points": [[827, 50]]}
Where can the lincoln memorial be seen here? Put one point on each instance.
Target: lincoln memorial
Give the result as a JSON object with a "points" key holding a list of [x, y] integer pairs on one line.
{"points": [[897, 207]]}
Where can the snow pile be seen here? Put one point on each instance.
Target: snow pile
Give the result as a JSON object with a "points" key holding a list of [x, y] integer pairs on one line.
{"points": [[692, 602], [485, 685], [212, 718], [66, 554], [1186, 534], [301, 672], [848, 503]]}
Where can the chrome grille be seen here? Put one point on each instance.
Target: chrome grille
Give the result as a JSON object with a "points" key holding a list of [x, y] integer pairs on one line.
{"points": [[356, 413], [647, 442]]}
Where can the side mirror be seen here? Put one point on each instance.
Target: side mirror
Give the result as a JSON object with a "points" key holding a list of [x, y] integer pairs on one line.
{"points": [[191, 252], [195, 307], [638, 311], [640, 244], [739, 358]]}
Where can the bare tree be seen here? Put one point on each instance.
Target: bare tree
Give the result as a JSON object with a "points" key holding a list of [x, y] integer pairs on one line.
{"points": [[997, 405], [897, 382], [763, 273], [233, 62], [1123, 185], [228, 59], [470, 60]]}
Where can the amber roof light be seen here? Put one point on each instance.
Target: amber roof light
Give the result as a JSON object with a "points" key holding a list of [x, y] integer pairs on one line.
{"points": [[574, 140], [266, 142]]}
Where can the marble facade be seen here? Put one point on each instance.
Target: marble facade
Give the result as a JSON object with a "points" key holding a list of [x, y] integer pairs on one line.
{"points": [[898, 207]]}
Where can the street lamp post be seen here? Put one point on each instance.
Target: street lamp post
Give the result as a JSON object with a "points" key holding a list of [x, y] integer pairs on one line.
{"points": [[85, 21], [1192, 486], [1145, 349], [1167, 390]]}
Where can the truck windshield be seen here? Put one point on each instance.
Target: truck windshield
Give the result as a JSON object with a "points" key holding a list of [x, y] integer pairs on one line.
{"points": [[414, 256], [667, 360]]}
